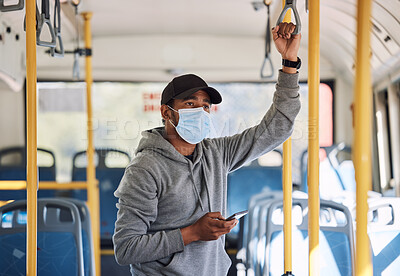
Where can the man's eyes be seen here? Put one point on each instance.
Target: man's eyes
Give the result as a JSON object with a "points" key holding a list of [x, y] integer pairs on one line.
{"points": [[206, 107]]}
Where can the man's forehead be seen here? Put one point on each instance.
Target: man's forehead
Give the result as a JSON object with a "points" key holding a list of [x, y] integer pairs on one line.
{"points": [[199, 95]]}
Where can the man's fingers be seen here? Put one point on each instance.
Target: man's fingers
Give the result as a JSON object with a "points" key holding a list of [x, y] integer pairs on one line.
{"points": [[275, 34], [215, 215], [275, 29], [292, 28], [286, 30], [283, 28], [222, 223]]}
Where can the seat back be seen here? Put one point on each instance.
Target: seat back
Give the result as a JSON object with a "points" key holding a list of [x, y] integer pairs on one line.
{"points": [[59, 238], [331, 182], [340, 159], [336, 239], [384, 234], [258, 203], [87, 238], [247, 182], [251, 180], [13, 167], [109, 179]]}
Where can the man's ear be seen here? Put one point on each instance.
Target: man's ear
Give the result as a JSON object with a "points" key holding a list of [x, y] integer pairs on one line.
{"points": [[164, 112]]}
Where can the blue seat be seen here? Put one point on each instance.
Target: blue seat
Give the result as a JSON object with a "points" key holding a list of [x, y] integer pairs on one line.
{"points": [[340, 159], [59, 239], [384, 234], [336, 240], [336, 174], [87, 238], [109, 178], [251, 180], [257, 205], [15, 169], [245, 183]]}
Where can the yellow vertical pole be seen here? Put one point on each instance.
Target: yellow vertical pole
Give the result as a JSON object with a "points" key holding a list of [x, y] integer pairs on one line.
{"points": [[93, 189], [287, 204], [362, 135], [31, 166], [287, 189], [313, 138]]}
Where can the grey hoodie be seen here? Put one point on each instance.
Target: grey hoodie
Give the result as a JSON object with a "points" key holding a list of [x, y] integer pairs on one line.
{"points": [[162, 191]]}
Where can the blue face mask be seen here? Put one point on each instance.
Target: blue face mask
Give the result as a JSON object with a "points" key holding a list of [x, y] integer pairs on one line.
{"points": [[193, 125]]}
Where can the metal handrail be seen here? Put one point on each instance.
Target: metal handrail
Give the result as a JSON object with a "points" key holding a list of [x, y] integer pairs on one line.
{"points": [[267, 58], [291, 4], [54, 52], [9, 8], [42, 19]]}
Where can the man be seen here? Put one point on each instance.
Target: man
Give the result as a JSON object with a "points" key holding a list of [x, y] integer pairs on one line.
{"points": [[172, 198]]}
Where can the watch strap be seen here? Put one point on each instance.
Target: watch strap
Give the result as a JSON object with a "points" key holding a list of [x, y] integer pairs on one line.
{"points": [[292, 64]]}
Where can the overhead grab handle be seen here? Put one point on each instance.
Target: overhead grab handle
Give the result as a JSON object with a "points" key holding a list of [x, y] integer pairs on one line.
{"points": [[290, 4], [9, 8], [54, 52], [271, 68], [43, 19], [267, 59]]}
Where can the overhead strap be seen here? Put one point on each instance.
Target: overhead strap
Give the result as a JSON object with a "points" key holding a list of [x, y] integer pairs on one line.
{"points": [[8, 8], [291, 4], [267, 58], [54, 52], [44, 18]]}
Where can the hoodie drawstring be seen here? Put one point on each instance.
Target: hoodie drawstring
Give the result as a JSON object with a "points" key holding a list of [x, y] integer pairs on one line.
{"points": [[206, 184], [195, 188]]}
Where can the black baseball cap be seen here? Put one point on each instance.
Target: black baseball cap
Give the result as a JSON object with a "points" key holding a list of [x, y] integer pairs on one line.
{"points": [[183, 86]]}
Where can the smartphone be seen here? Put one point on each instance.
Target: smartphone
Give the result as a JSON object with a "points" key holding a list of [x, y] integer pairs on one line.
{"points": [[238, 215]]}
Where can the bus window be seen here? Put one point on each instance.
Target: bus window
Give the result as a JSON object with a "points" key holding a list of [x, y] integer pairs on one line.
{"points": [[121, 111]]}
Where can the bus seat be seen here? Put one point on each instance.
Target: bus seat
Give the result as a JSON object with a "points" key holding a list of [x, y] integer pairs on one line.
{"points": [[247, 182], [347, 174], [257, 204], [384, 234], [87, 238], [59, 238], [13, 167], [109, 178], [336, 239], [331, 184], [251, 180], [255, 225]]}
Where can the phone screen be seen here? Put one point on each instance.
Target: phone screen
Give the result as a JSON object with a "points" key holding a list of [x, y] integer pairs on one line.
{"points": [[238, 215]]}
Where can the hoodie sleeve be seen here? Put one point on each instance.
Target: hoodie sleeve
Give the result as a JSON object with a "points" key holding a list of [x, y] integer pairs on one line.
{"points": [[275, 127], [137, 209]]}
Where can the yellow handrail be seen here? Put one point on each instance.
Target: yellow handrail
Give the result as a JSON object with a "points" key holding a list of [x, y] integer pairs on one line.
{"points": [[93, 188], [313, 138], [43, 185], [362, 135], [287, 204], [31, 166], [287, 189]]}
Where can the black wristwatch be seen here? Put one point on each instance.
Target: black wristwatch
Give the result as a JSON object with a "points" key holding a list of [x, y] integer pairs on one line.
{"points": [[292, 64]]}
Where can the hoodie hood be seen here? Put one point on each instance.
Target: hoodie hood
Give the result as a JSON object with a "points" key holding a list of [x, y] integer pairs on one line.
{"points": [[154, 141]]}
